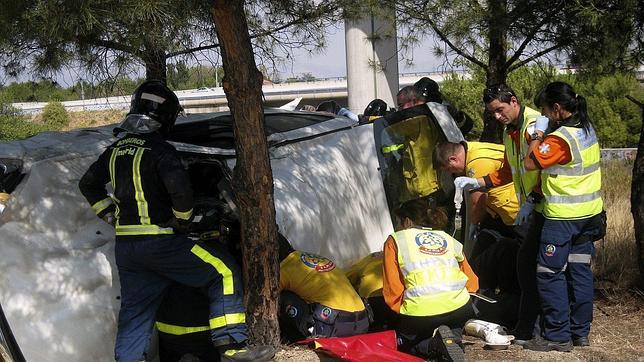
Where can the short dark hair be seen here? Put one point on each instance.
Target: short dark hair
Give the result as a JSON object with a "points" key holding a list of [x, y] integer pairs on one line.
{"points": [[410, 93], [443, 152], [500, 91]]}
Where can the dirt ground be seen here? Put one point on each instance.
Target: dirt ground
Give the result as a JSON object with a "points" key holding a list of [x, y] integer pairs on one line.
{"points": [[617, 334]]}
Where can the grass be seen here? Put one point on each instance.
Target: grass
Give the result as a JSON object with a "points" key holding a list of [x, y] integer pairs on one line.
{"points": [[615, 264]]}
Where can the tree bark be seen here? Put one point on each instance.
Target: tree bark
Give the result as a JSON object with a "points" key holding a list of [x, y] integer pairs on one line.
{"points": [[252, 176], [497, 69], [637, 197], [155, 64]]}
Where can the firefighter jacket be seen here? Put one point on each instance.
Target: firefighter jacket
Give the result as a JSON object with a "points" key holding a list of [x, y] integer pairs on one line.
{"points": [[150, 187]]}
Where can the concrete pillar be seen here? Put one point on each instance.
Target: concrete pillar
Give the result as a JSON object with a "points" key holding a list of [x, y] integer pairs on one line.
{"points": [[372, 62]]}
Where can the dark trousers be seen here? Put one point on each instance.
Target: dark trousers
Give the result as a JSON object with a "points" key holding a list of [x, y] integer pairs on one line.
{"points": [[297, 317], [383, 317], [565, 280], [527, 274], [496, 223], [149, 265], [415, 333]]}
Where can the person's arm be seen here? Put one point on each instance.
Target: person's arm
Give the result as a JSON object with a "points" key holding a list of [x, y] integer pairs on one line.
{"points": [[177, 183], [478, 201], [392, 280], [543, 154], [92, 186], [500, 177], [472, 284]]}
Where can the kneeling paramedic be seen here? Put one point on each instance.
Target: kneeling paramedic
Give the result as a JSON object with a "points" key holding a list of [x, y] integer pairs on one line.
{"points": [[316, 298], [427, 281], [150, 206]]}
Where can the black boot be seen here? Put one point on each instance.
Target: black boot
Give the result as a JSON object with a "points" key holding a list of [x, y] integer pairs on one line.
{"points": [[243, 352]]}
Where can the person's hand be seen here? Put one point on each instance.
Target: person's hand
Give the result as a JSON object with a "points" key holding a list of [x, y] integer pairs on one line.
{"points": [[473, 232], [524, 213], [109, 218], [465, 182], [542, 124]]}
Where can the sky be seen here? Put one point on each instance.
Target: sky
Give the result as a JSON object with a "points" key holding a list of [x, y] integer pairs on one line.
{"points": [[328, 63]]}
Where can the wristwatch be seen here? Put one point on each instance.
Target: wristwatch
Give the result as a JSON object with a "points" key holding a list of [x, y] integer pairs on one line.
{"points": [[536, 136]]}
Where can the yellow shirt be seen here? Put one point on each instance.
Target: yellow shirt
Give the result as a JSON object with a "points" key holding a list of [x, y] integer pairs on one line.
{"points": [[482, 159], [366, 275], [318, 280]]}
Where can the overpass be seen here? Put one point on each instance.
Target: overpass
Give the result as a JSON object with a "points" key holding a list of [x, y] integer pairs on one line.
{"points": [[213, 99]]}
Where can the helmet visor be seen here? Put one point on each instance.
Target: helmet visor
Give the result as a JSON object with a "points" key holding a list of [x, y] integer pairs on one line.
{"points": [[137, 123]]}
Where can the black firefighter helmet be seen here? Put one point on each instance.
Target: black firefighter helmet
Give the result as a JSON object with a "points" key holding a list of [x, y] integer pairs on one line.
{"points": [[154, 107]]}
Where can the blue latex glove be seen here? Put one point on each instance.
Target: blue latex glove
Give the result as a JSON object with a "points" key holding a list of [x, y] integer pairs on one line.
{"points": [[542, 124], [347, 113], [466, 182], [524, 213]]}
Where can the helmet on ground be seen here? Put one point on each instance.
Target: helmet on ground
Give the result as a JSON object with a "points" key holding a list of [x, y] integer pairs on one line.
{"points": [[154, 107], [428, 89], [376, 107]]}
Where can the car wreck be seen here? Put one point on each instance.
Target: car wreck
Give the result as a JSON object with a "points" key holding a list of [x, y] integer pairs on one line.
{"points": [[336, 185]]}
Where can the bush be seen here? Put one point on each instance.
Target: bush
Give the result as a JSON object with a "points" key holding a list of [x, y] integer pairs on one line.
{"points": [[55, 116], [13, 126]]}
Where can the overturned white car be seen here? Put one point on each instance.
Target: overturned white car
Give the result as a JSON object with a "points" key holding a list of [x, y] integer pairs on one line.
{"points": [[335, 183]]}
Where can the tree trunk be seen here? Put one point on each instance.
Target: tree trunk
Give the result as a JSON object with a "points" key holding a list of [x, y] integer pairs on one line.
{"points": [[155, 64], [637, 198], [252, 177], [497, 70]]}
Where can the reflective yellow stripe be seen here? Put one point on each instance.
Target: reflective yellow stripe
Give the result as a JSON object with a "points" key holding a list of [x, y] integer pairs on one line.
{"points": [[182, 215], [112, 168], [141, 203], [228, 319], [102, 205], [392, 148], [179, 330], [219, 265], [142, 230]]}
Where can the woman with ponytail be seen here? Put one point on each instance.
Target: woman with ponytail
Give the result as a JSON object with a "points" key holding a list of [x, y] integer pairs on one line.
{"points": [[564, 147]]}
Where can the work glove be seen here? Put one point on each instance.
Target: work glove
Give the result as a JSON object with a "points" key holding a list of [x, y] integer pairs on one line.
{"points": [[473, 232], [109, 218], [524, 213], [179, 226], [542, 124], [466, 182]]}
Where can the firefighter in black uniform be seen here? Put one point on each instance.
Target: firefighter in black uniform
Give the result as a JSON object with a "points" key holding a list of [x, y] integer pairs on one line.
{"points": [[151, 207]]}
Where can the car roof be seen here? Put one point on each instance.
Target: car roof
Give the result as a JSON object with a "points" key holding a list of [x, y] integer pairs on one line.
{"points": [[216, 129]]}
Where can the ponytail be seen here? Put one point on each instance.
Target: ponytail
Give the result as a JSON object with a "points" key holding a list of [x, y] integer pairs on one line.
{"points": [[563, 94], [582, 113]]}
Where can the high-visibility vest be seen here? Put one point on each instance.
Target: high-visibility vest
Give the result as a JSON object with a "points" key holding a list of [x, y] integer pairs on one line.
{"points": [[524, 181], [434, 282], [572, 191]]}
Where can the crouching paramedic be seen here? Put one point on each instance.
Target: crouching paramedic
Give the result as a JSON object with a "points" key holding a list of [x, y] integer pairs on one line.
{"points": [[366, 278], [151, 204], [426, 281], [316, 298]]}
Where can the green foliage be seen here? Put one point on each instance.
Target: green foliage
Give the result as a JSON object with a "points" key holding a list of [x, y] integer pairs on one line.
{"points": [[13, 126], [616, 119], [55, 116]]}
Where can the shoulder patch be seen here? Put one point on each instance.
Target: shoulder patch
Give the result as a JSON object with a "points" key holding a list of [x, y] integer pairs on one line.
{"points": [[544, 148], [319, 263]]}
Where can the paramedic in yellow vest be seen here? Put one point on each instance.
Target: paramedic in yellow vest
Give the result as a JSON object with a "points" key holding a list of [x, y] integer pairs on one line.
{"points": [[316, 298], [495, 208], [427, 281], [503, 103], [366, 278], [566, 150]]}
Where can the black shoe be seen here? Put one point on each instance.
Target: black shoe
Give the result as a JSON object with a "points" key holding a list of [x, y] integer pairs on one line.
{"points": [[580, 341], [448, 345], [544, 345], [519, 338], [248, 353]]}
